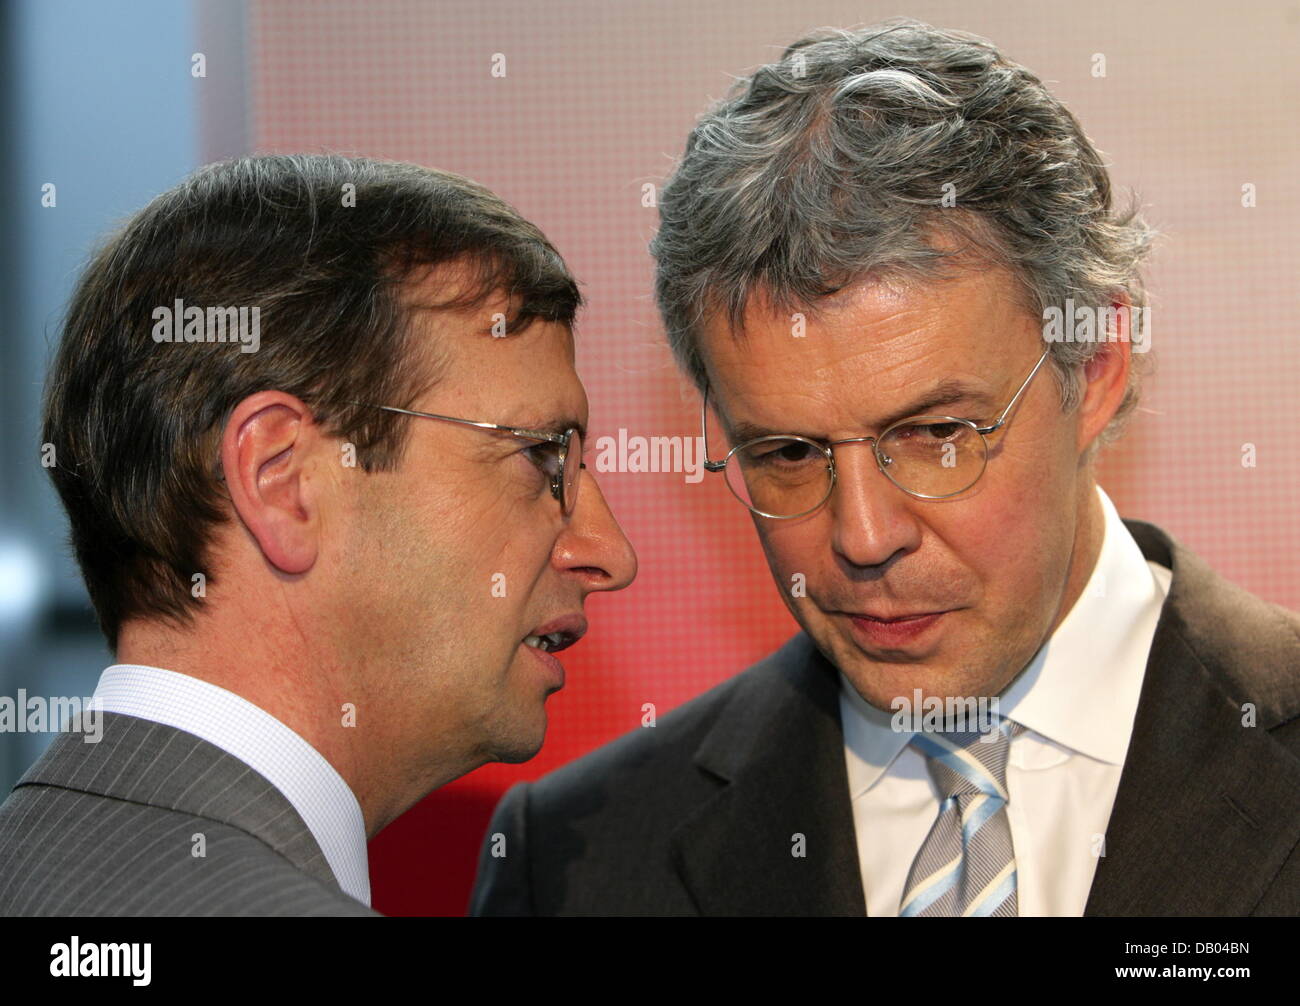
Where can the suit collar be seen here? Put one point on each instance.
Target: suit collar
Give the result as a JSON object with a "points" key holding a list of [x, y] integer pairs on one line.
{"points": [[301, 773], [777, 753], [160, 766], [1208, 809]]}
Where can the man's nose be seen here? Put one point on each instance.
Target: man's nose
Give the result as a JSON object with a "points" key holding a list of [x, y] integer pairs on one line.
{"points": [[592, 545], [871, 517]]}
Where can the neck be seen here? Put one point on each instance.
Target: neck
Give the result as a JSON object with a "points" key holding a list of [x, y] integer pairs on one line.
{"points": [[310, 703], [1089, 534]]}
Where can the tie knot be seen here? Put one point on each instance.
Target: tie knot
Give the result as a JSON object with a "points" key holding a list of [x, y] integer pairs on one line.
{"points": [[968, 761]]}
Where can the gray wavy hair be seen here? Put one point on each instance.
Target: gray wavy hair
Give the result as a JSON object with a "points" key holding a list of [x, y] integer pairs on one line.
{"points": [[831, 165]]}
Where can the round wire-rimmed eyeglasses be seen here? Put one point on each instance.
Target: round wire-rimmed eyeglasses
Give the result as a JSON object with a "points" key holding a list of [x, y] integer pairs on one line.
{"points": [[783, 476], [558, 449]]}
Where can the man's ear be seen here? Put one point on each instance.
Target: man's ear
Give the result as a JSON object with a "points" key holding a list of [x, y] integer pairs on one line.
{"points": [[266, 452], [1105, 377]]}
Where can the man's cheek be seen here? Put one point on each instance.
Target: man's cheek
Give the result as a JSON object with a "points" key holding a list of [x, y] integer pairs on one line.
{"points": [[792, 572], [513, 554], [799, 547]]}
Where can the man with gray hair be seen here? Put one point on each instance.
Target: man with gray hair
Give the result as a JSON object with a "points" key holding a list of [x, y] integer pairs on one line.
{"points": [[891, 264]]}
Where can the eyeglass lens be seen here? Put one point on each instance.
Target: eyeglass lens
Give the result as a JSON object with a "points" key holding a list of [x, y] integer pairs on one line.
{"points": [[570, 472], [787, 476]]}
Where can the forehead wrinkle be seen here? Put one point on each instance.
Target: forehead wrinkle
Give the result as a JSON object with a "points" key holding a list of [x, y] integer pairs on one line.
{"points": [[941, 395], [824, 396]]}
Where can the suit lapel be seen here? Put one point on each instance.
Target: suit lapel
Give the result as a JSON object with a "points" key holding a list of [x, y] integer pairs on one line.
{"points": [[777, 756], [1207, 809], [160, 766]]}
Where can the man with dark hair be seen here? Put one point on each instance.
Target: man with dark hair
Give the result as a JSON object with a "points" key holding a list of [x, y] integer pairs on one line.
{"points": [[317, 429], [891, 264]]}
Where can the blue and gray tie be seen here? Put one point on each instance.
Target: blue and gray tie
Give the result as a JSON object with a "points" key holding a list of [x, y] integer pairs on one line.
{"points": [[966, 866]]}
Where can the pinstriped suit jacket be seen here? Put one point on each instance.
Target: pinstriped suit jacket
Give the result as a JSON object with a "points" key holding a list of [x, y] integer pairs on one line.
{"points": [[112, 828]]}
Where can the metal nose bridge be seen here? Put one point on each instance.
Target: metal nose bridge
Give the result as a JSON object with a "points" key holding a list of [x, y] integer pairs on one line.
{"points": [[882, 459]]}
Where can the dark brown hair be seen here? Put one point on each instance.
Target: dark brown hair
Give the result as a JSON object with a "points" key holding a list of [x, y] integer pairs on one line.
{"points": [[324, 246]]}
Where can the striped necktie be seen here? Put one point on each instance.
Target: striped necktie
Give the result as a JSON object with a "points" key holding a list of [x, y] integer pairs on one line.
{"points": [[966, 865]]}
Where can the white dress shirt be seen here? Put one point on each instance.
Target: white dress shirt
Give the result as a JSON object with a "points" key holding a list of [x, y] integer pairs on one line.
{"points": [[1077, 700], [317, 792]]}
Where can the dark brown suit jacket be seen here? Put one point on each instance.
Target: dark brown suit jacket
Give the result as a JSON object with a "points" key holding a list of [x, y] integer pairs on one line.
{"points": [[696, 815]]}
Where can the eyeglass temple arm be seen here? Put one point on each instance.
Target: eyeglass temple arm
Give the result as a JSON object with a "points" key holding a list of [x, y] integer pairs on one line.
{"points": [[709, 466], [1012, 404], [555, 438]]}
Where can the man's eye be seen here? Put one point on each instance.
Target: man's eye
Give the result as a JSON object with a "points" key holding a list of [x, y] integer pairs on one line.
{"points": [[545, 456], [930, 431], [777, 452]]}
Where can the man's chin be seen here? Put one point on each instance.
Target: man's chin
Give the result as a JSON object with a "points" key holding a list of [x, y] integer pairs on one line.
{"points": [[521, 745], [882, 681]]}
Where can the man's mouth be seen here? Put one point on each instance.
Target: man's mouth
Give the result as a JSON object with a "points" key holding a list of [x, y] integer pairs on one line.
{"points": [[889, 619], [558, 634], [552, 642], [893, 630]]}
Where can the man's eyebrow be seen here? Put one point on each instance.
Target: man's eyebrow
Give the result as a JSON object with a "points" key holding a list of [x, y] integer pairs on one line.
{"points": [[945, 393], [552, 425]]}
